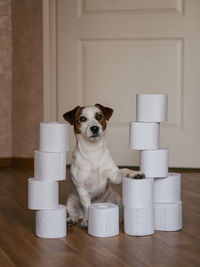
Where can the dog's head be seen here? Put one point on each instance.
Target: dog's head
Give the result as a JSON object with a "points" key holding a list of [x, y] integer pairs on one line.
{"points": [[90, 122]]}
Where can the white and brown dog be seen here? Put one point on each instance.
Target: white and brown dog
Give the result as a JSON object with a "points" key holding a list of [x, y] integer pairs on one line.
{"points": [[92, 165]]}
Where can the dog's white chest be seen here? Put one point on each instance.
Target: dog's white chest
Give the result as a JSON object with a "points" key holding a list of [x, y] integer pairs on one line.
{"points": [[90, 166], [95, 183]]}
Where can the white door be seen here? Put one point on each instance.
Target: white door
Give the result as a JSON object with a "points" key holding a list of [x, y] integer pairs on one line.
{"points": [[110, 50]]}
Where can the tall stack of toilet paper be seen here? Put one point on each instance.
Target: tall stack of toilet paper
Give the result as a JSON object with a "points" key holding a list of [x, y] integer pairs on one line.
{"points": [[43, 190], [153, 203]]}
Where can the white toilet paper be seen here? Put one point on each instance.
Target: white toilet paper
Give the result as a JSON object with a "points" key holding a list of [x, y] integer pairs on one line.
{"points": [[51, 223], [168, 189], [151, 108], [143, 135], [42, 195], [49, 166], [137, 192], [168, 216], [154, 163], [53, 137], [103, 220], [139, 221]]}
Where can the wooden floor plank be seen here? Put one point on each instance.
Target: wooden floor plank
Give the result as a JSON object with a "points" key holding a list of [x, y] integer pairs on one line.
{"points": [[96, 246], [20, 247], [5, 261]]}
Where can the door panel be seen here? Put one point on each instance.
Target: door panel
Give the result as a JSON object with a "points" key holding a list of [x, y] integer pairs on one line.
{"points": [[169, 6], [108, 51]]}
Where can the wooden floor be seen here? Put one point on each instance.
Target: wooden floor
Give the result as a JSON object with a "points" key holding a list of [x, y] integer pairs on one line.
{"points": [[20, 247]]}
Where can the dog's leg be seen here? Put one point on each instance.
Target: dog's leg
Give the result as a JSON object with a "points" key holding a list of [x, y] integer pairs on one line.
{"points": [[115, 198], [115, 176], [85, 202], [74, 210]]}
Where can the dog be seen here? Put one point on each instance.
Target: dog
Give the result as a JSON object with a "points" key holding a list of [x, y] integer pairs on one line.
{"points": [[92, 166]]}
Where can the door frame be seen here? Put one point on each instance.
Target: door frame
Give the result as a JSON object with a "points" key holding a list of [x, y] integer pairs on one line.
{"points": [[50, 84]]}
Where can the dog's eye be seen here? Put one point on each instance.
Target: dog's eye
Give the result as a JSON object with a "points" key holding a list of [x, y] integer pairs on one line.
{"points": [[82, 119], [98, 117]]}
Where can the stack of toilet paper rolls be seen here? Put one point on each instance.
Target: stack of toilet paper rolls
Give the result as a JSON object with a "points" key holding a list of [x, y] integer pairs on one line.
{"points": [[43, 190], [166, 213], [138, 206], [167, 203]]}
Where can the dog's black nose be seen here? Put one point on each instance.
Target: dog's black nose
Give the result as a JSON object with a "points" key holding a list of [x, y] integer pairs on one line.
{"points": [[94, 129]]}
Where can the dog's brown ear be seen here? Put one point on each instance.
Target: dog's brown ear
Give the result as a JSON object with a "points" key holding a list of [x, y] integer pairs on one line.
{"points": [[70, 115], [106, 111]]}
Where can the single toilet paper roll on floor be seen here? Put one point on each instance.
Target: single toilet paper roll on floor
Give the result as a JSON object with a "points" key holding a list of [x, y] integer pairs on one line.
{"points": [[137, 192], [103, 220], [154, 163], [42, 195], [49, 166], [168, 189], [143, 135], [139, 221], [51, 223], [168, 216], [53, 137], [151, 107]]}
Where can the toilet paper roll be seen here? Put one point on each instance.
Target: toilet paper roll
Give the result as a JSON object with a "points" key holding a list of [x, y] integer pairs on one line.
{"points": [[151, 108], [168, 216], [143, 135], [103, 220], [154, 163], [168, 189], [50, 166], [137, 192], [53, 137], [139, 221], [51, 223], [42, 195]]}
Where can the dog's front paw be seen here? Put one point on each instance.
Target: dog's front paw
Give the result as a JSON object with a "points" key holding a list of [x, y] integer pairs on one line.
{"points": [[139, 176], [136, 175], [84, 223]]}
